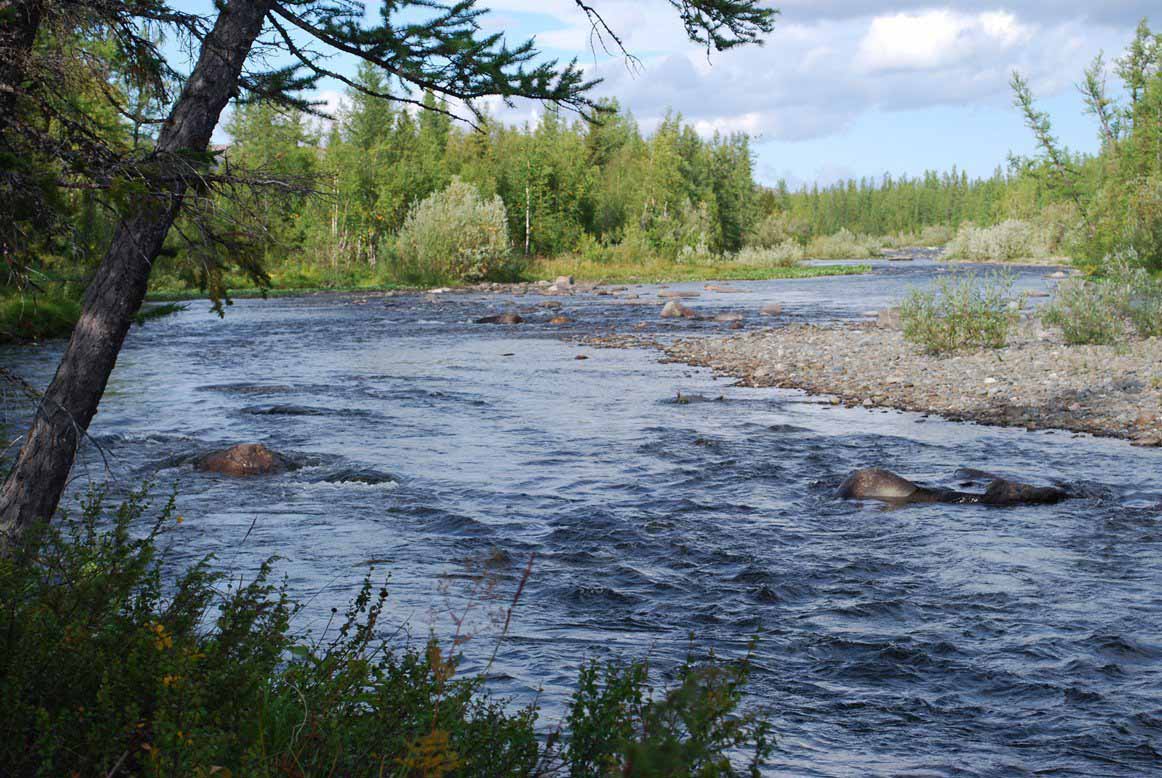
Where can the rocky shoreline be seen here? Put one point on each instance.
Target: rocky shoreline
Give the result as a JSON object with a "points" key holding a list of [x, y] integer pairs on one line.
{"points": [[1036, 382]]}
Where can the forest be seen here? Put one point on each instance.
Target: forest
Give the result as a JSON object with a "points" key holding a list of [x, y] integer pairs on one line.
{"points": [[589, 193]]}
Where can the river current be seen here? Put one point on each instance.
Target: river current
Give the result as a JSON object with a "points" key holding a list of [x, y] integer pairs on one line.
{"points": [[930, 640]]}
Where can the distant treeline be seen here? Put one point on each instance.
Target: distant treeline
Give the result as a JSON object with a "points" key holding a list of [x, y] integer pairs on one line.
{"points": [[327, 199]]}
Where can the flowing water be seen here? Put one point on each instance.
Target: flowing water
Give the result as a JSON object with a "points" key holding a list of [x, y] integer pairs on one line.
{"points": [[929, 640]]}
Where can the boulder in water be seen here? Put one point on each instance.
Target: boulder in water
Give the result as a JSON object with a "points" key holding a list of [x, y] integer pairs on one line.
{"points": [[875, 483], [771, 309], [245, 459], [503, 318], [675, 310], [1005, 492]]}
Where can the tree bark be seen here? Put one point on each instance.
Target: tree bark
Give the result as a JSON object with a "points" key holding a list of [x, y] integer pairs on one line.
{"points": [[21, 23], [34, 486]]}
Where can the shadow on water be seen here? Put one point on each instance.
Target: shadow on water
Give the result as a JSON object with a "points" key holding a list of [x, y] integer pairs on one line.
{"points": [[930, 640]]}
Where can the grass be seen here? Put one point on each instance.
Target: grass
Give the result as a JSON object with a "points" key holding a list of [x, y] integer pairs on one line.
{"points": [[108, 666], [964, 313], [27, 318], [660, 271]]}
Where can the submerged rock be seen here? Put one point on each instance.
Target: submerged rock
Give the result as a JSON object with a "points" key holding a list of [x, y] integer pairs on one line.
{"points": [[245, 459], [771, 309]]}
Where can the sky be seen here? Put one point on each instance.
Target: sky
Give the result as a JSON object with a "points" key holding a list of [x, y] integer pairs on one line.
{"points": [[846, 88]]}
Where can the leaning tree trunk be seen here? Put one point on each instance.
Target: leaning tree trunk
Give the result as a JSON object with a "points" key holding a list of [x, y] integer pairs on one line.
{"points": [[34, 486]]}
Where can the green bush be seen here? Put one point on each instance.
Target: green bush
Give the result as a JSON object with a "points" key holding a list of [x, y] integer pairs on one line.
{"points": [[776, 229], [454, 235], [844, 244], [968, 312], [1105, 310], [1010, 241], [786, 254], [108, 668], [1086, 312]]}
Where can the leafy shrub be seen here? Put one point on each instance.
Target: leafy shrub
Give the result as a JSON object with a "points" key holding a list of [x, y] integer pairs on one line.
{"points": [[1086, 312], [454, 234], [787, 254], [107, 668], [844, 244], [1008, 241], [776, 229], [968, 312], [929, 235], [1103, 311], [1139, 293]]}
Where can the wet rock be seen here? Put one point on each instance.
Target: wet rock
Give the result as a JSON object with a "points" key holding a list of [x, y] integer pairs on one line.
{"points": [[728, 317], [560, 320], [563, 285], [674, 294], [1005, 492], [675, 310], [874, 483], [245, 459], [723, 289], [551, 305], [581, 356], [503, 318], [771, 309]]}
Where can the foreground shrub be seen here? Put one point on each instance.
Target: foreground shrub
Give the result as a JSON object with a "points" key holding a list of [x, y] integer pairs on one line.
{"points": [[1008, 241], [454, 235], [1104, 311], [967, 312], [844, 244], [107, 669]]}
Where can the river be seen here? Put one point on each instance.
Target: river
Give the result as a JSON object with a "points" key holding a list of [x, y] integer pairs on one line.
{"points": [[929, 640]]}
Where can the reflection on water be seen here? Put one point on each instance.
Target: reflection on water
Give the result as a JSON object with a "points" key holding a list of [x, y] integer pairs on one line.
{"points": [[931, 640]]}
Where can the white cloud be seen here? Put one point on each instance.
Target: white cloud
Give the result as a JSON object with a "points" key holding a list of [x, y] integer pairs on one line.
{"points": [[936, 39]]}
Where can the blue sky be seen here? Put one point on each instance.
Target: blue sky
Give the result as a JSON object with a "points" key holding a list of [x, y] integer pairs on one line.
{"points": [[846, 87]]}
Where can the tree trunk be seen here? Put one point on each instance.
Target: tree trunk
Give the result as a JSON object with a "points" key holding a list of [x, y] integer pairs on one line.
{"points": [[17, 36], [34, 486]]}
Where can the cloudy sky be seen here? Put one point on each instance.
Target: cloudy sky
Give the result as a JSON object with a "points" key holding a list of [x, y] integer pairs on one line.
{"points": [[853, 87], [842, 87]]}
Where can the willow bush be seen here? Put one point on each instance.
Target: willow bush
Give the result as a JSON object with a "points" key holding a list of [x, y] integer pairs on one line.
{"points": [[454, 235], [1105, 310], [964, 313]]}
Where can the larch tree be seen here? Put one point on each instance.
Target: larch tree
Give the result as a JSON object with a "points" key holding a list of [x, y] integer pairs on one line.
{"points": [[419, 47]]}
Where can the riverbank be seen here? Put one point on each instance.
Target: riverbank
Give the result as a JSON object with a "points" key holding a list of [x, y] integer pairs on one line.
{"points": [[1035, 382]]}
